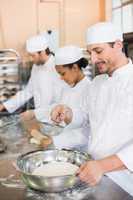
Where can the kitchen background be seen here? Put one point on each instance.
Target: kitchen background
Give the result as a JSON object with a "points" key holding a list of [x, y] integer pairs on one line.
{"points": [[61, 21]]}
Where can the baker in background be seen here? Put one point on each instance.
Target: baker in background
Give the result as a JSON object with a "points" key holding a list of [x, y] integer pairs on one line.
{"points": [[70, 62], [110, 108], [44, 84]]}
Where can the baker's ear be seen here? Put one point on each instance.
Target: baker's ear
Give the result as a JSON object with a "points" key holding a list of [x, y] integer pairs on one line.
{"points": [[118, 44], [75, 67]]}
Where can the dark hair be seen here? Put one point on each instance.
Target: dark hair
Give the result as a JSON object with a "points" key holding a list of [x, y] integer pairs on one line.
{"points": [[111, 44], [81, 63], [48, 52]]}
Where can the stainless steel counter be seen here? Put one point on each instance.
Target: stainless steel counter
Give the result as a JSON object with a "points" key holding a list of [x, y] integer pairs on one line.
{"points": [[12, 187], [106, 190]]}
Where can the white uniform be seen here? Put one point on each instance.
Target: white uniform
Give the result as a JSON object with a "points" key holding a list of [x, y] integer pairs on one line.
{"points": [[72, 138], [111, 115], [110, 108], [44, 85]]}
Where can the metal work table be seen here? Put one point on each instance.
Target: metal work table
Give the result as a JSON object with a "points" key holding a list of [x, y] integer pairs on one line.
{"points": [[106, 190], [12, 187]]}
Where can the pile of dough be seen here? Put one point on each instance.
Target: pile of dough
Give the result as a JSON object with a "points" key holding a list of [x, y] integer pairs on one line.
{"points": [[56, 169], [34, 141]]}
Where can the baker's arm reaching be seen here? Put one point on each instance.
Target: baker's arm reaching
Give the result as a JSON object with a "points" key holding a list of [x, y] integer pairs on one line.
{"points": [[19, 99], [92, 171]]}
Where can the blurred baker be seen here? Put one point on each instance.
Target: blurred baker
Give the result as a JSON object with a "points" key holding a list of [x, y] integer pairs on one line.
{"points": [[44, 84]]}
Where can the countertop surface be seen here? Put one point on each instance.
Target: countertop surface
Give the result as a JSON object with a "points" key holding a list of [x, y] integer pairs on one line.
{"points": [[12, 187], [106, 190]]}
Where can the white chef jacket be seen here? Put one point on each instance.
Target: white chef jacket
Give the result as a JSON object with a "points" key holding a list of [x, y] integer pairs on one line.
{"points": [[110, 108], [44, 85], [73, 138]]}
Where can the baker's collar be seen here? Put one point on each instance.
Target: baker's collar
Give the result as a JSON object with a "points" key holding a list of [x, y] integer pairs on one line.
{"points": [[50, 59], [81, 82], [123, 69]]}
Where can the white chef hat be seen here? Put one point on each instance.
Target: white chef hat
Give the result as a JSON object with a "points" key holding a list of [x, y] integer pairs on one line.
{"points": [[103, 32], [36, 43], [67, 55]]}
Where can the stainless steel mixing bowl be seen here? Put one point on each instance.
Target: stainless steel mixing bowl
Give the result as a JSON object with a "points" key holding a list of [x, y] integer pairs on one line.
{"points": [[27, 163]]}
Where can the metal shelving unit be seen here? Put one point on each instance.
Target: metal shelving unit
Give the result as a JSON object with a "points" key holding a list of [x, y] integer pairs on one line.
{"points": [[10, 62]]}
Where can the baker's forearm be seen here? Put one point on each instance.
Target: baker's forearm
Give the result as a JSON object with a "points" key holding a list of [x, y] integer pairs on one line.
{"points": [[111, 163]]}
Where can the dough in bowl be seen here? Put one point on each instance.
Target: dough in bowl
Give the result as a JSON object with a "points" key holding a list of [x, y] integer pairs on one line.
{"points": [[56, 169]]}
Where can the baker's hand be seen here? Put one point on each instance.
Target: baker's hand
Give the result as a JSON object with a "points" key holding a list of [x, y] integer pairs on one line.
{"points": [[91, 172], [44, 143], [61, 113], [41, 140], [27, 115]]}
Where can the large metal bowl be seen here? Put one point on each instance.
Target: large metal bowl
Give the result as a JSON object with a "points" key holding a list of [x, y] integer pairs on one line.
{"points": [[27, 163]]}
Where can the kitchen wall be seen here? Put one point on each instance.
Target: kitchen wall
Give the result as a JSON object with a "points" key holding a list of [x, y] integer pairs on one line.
{"points": [[108, 10], [22, 19]]}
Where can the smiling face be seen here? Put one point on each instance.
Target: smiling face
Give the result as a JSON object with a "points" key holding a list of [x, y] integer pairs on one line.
{"points": [[105, 56], [70, 75]]}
